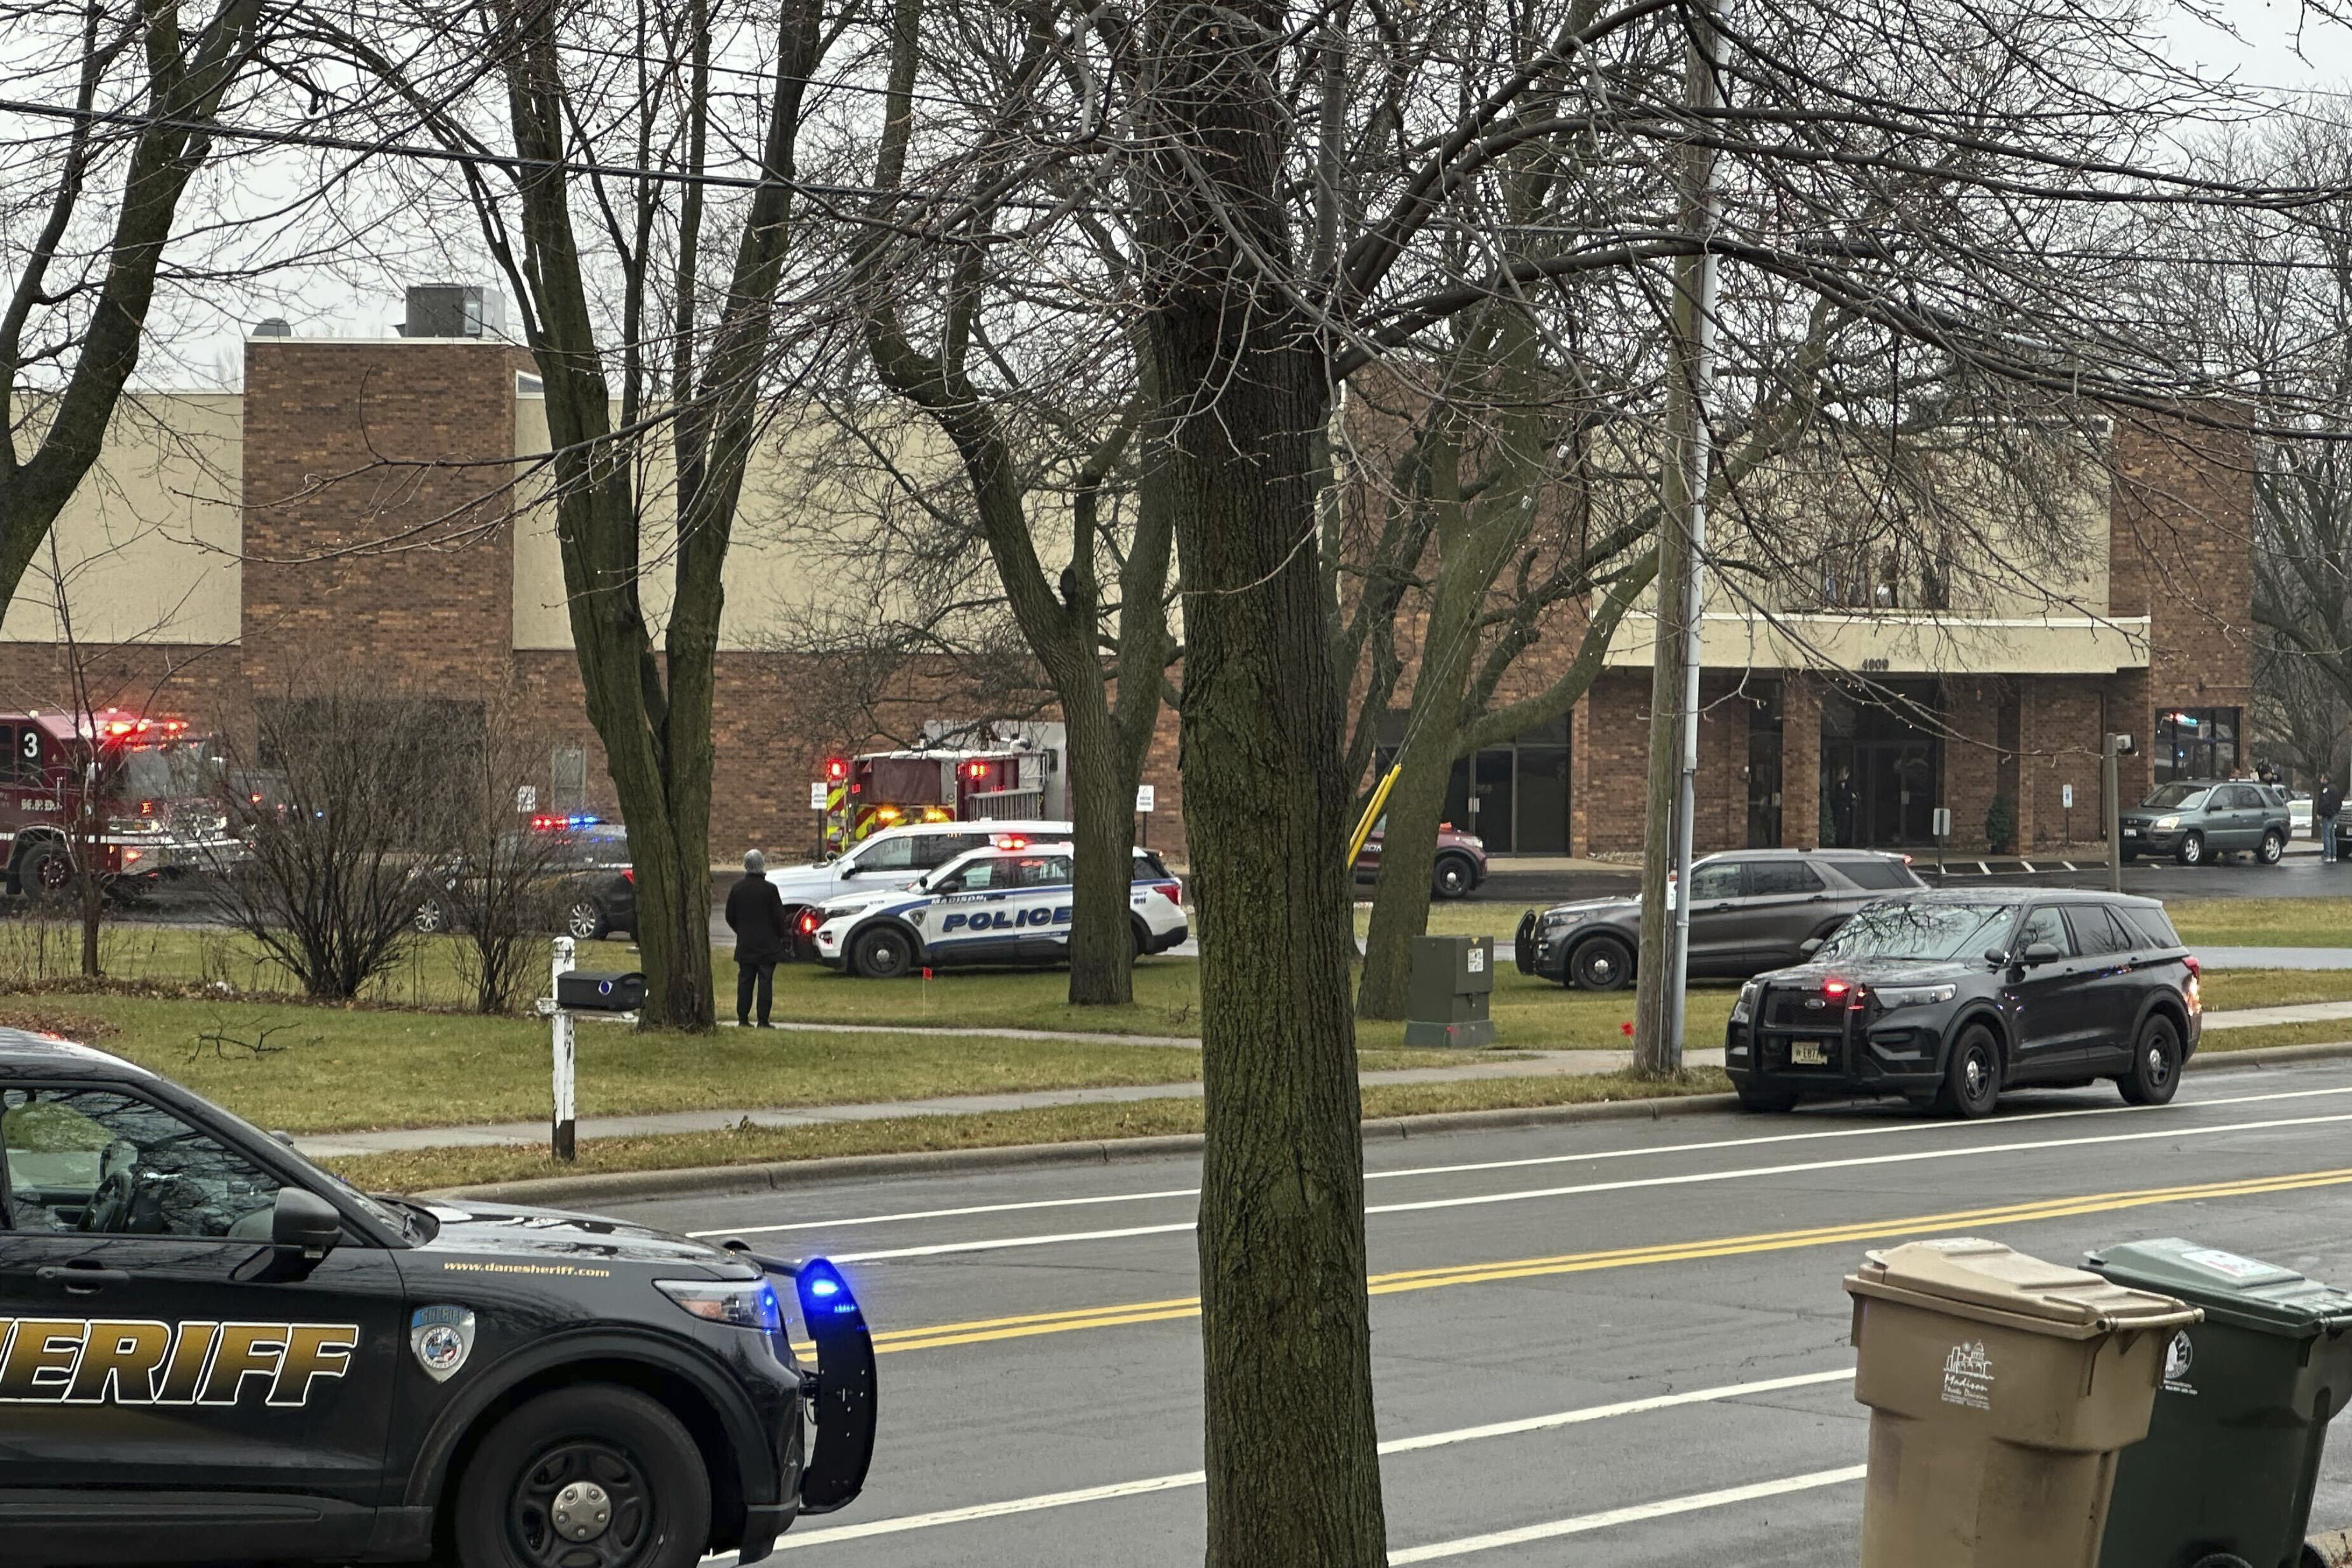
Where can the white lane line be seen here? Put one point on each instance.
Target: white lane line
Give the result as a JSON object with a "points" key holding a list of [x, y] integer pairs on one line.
{"points": [[1891, 1129], [1667, 1508], [1149, 1483], [1683, 1179]]}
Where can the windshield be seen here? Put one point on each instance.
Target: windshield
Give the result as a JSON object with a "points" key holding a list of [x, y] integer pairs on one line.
{"points": [[2176, 794], [1927, 933], [171, 772]]}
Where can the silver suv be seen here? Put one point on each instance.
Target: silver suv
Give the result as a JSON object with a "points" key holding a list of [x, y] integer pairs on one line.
{"points": [[2195, 820], [888, 860]]}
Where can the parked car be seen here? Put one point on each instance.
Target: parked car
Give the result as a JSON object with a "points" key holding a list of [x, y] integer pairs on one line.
{"points": [[1949, 997], [1750, 909], [2195, 820], [585, 879], [892, 858], [1008, 903], [1459, 866]]}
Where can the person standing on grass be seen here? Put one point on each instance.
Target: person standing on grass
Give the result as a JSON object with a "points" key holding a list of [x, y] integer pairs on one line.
{"points": [[755, 913], [2324, 807]]}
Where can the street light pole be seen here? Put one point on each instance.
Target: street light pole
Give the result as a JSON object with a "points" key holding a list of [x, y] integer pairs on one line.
{"points": [[1689, 438]]}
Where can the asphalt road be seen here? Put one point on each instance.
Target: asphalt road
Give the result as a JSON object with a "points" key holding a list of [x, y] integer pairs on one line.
{"points": [[1622, 1320]]}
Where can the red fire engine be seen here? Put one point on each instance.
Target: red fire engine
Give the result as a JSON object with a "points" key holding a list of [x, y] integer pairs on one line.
{"points": [[867, 792], [137, 791]]}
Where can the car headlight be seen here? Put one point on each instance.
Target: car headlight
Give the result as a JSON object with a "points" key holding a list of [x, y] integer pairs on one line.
{"points": [[2166, 824], [1894, 996], [1555, 919], [738, 1303], [1745, 1008], [836, 911]]}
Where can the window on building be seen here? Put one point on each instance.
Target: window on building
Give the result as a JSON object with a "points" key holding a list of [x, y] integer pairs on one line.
{"points": [[2195, 743]]}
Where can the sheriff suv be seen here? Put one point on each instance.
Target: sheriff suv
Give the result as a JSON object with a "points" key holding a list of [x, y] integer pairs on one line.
{"points": [[1948, 998], [1009, 903], [1750, 909], [220, 1352]]}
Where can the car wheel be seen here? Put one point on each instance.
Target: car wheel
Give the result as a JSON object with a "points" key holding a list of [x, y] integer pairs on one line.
{"points": [[431, 918], [2154, 1073], [1972, 1078], [590, 1477], [583, 920], [1600, 963], [2272, 847], [2192, 849], [796, 943], [1454, 877], [46, 870], [1766, 1101], [2128, 855], [884, 954]]}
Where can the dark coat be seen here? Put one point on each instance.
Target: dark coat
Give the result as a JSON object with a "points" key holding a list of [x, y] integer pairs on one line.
{"points": [[755, 913], [2330, 802]]}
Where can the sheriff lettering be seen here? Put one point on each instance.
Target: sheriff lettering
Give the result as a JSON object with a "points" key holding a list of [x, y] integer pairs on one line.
{"points": [[131, 1361]]}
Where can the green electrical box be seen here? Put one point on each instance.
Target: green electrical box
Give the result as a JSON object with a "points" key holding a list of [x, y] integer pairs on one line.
{"points": [[1445, 995]]}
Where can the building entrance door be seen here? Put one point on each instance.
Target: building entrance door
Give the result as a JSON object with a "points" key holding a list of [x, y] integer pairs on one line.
{"points": [[1880, 771], [1764, 770]]}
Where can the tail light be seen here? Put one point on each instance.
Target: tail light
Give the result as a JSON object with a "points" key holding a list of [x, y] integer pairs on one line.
{"points": [[809, 923], [132, 857], [629, 875], [2193, 988], [1171, 891], [1906, 860]]}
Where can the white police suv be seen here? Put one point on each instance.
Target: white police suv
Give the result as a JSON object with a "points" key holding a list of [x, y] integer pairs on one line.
{"points": [[1007, 903]]}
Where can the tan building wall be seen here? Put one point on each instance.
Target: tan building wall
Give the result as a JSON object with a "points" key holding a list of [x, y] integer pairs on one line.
{"points": [[147, 549]]}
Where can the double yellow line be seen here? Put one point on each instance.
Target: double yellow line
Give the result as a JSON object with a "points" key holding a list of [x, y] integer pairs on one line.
{"points": [[987, 1329]]}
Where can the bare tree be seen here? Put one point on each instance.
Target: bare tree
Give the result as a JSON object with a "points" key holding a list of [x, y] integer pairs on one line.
{"points": [[93, 206], [327, 870], [507, 870], [606, 183]]}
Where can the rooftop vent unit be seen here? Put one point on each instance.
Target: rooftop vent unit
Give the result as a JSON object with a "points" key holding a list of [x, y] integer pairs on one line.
{"points": [[452, 310], [273, 327]]}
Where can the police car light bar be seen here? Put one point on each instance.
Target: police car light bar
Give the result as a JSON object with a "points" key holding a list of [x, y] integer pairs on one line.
{"points": [[1012, 841]]}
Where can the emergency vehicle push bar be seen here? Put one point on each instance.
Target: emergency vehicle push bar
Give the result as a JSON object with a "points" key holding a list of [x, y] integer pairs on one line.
{"points": [[842, 1392]]}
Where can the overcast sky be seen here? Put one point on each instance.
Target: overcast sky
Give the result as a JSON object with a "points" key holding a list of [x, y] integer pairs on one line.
{"points": [[2277, 43]]}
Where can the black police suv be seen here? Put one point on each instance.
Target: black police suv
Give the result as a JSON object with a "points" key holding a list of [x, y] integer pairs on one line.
{"points": [[212, 1351], [1949, 997]]}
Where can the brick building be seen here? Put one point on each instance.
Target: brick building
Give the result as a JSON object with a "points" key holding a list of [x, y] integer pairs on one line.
{"points": [[359, 513]]}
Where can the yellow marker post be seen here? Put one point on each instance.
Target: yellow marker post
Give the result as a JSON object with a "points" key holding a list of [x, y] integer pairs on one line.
{"points": [[1371, 813]]}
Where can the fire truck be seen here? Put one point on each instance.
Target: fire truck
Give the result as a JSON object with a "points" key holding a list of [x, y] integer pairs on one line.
{"points": [[957, 772], [139, 792]]}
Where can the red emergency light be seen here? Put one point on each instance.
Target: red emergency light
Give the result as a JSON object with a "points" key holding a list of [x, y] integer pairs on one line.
{"points": [[835, 769], [975, 770]]}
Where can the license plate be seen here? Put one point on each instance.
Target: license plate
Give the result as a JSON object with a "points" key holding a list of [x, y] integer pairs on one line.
{"points": [[2131, 833], [1808, 1054]]}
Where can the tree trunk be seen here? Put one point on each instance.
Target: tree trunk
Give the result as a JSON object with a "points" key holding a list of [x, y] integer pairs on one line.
{"points": [[1407, 855], [1101, 785], [1291, 1452]]}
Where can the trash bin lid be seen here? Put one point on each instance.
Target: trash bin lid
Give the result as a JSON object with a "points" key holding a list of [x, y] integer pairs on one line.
{"points": [[2245, 1291], [1970, 1277]]}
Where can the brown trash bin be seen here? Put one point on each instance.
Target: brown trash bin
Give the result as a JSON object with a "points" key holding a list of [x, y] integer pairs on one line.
{"points": [[2001, 1389]]}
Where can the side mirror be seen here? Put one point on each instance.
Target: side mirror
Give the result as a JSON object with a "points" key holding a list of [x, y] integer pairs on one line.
{"points": [[304, 1227], [2042, 952], [1997, 957], [1809, 945]]}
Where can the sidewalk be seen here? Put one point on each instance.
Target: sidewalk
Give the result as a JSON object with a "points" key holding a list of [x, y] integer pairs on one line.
{"points": [[1510, 1064], [1516, 1064]]}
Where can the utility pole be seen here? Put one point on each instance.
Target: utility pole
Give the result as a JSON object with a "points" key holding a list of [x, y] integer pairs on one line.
{"points": [[2110, 786], [1682, 588]]}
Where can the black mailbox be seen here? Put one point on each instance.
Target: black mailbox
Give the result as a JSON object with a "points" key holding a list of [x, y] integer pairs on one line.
{"points": [[600, 991], [1445, 995]]}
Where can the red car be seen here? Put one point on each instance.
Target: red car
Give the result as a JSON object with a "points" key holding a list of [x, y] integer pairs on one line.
{"points": [[1460, 865]]}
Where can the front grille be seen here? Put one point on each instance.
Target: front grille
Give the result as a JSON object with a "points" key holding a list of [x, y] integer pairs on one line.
{"points": [[1802, 1007], [1795, 1016]]}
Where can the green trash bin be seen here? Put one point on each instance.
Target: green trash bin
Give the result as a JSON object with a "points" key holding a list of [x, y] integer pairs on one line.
{"points": [[2225, 1477]]}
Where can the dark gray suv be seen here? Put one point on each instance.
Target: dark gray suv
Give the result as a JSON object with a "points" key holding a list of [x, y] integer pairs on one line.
{"points": [[1751, 910], [2197, 820]]}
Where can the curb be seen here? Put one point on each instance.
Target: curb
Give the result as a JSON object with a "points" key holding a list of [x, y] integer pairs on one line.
{"points": [[782, 1175]]}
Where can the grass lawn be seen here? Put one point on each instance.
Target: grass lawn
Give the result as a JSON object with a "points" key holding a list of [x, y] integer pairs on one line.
{"points": [[455, 1167], [2263, 922]]}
